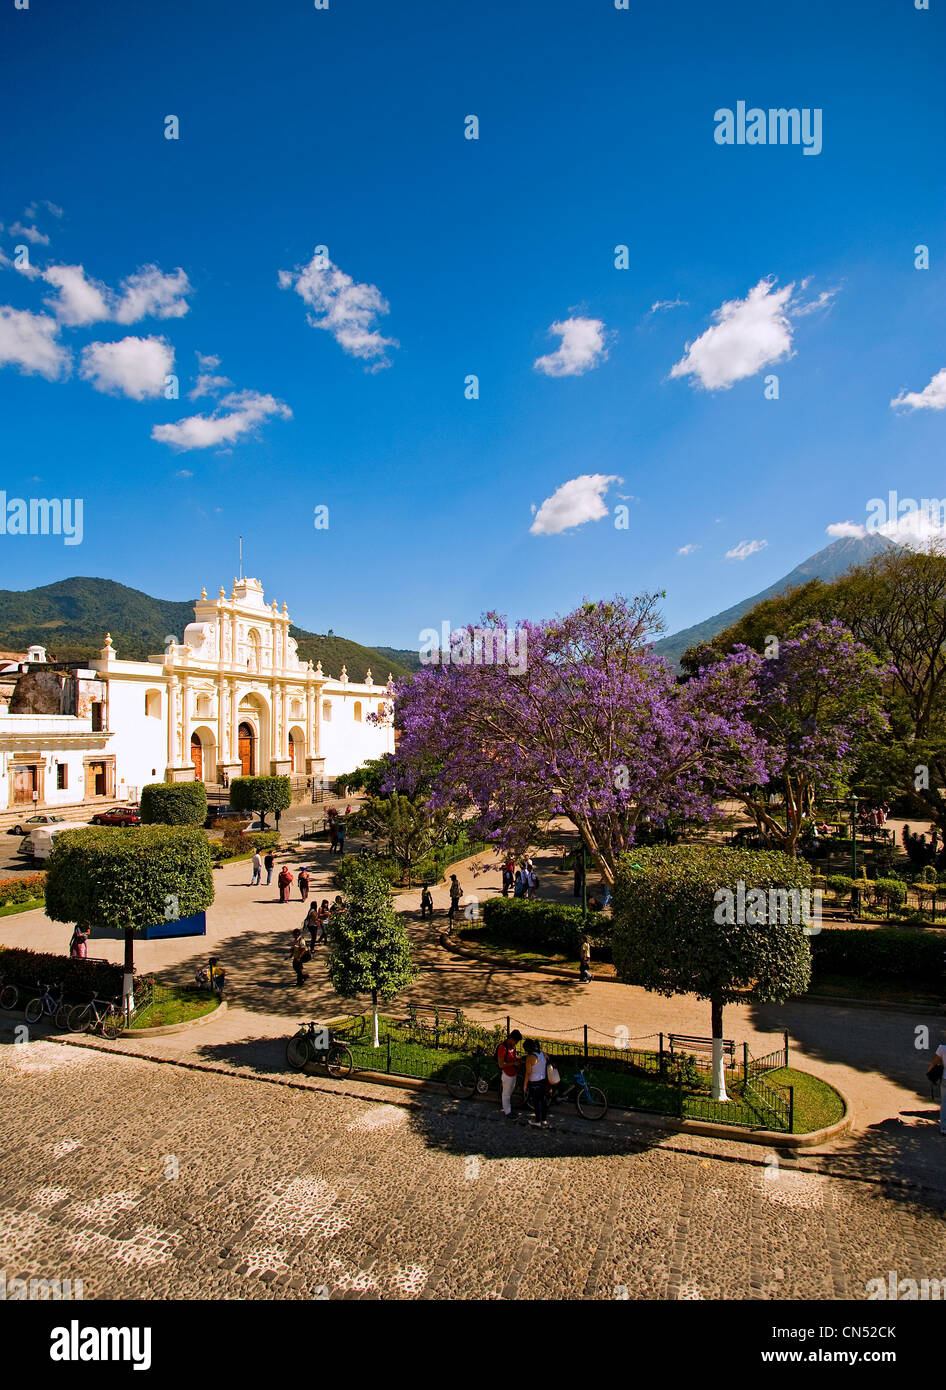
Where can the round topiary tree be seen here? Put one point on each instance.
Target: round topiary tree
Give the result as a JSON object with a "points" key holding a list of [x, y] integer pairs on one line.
{"points": [[369, 952], [129, 878], [173, 803], [727, 925], [261, 794]]}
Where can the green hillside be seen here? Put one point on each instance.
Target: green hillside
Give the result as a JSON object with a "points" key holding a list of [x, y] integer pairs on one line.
{"points": [[72, 616]]}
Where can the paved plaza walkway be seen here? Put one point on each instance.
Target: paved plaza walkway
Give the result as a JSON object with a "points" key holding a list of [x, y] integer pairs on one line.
{"points": [[869, 1053]]}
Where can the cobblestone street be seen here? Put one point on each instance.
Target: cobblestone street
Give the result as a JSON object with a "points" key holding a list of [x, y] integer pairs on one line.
{"points": [[152, 1181]]}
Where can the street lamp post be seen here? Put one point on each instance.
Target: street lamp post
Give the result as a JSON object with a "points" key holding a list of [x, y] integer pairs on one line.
{"points": [[855, 890]]}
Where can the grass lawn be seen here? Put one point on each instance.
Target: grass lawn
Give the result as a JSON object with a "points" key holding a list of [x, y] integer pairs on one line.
{"points": [[9, 908], [479, 938], [175, 1004], [817, 1104]]}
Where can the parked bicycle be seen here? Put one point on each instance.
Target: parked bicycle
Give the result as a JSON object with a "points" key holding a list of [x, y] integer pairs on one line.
{"points": [[9, 995], [50, 1004], [102, 1016], [316, 1043], [590, 1101], [478, 1076]]}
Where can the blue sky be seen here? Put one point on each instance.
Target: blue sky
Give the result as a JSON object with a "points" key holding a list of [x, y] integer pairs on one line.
{"points": [[344, 128]]}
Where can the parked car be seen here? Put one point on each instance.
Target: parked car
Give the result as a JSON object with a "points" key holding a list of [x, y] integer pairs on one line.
{"points": [[24, 827], [124, 815], [38, 844]]}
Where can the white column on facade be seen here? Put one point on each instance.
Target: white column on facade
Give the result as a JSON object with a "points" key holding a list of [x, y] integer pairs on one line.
{"points": [[172, 720], [222, 750], [185, 720], [284, 734], [309, 706], [233, 749]]}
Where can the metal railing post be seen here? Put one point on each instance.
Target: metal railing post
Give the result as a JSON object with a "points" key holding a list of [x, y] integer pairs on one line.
{"points": [[585, 1058], [785, 1036], [745, 1062], [791, 1109], [388, 1041], [663, 1064]]}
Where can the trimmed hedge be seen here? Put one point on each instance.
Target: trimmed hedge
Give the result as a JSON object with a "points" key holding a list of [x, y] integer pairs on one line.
{"points": [[128, 878], [881, 953], [81, 978], [23, 889], [173, 803], [233, 846], [547, 926]]}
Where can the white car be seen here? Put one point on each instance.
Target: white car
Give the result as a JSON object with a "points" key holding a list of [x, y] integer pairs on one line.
{"points": [[38, 844], [25, 826]]}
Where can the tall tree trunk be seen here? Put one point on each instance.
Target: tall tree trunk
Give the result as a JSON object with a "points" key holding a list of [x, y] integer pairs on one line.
{"points": [[719, 1070], [374, 1008]]}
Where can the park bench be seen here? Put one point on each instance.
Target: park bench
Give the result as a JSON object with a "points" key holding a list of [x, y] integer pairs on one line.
{"points": [[685, 1043]]}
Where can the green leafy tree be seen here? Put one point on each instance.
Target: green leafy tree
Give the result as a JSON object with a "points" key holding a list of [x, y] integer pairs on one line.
{"points": [[261, 794], [410, 828], [369, 952], [677, 928], [129, 878], [173, 803]]}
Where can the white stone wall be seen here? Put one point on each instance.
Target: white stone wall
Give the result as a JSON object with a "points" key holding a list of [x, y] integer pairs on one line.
{"points": [[344, 742], [139, 741]]}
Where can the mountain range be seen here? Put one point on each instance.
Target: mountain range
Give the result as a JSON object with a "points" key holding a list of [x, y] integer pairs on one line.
{"points": [[70, 618], [831, 562]]}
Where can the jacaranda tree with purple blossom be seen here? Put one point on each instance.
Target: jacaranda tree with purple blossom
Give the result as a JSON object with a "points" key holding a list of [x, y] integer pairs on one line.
{"points": [[813, 703], [587, 723]]}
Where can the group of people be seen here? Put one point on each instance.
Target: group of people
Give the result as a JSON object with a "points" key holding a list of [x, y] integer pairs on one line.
{"points": [[315, 923], [523, 879], [923, 851], [285, 878], [541, 1077], [427, 901]]}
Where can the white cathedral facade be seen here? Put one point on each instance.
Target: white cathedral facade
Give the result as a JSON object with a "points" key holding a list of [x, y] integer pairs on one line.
{"points": [[230, 699]]}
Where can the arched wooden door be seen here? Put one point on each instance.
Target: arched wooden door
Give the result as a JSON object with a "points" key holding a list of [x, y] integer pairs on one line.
{"points": [[246, 741], [197, 757]]}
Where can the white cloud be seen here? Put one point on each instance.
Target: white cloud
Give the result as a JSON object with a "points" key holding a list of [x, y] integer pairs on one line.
{"points": [[28, 341], [134, 367], [574, 503], [183, 473], [150, 293], [28, 269], [744, 549], [147, 293], [582, 348], [32, 234], [688, 549], [80, 301], [660, 304], [748, 334], [343, 307], [32, 212], [932, 397], [207, 383], [238, 414], [846, 528]]}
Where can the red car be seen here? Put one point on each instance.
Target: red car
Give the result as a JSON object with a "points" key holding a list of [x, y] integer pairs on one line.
{"points": [[125, 816]]}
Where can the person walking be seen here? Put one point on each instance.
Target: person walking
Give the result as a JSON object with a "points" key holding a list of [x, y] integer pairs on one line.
{"points": [[584, 971], [324, 914], [509, 873], [340, 841], [285, 883], [532, 881], [303, 883], [519, 884], [426, 903], [456, 893], [508, 1059], [299, 954], [536, 1084], [257, 867], [269, 864], [78, 946], [310, 924]]}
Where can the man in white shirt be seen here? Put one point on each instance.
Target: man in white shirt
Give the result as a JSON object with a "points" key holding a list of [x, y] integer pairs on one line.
{"points": [[257, 868]]}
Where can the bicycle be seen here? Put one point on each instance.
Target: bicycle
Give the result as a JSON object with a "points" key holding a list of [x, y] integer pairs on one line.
{"points": [[590, 1101], [46, 1003], [316, 1043], [476, 1077], [9, 995], [98, 1016]]}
